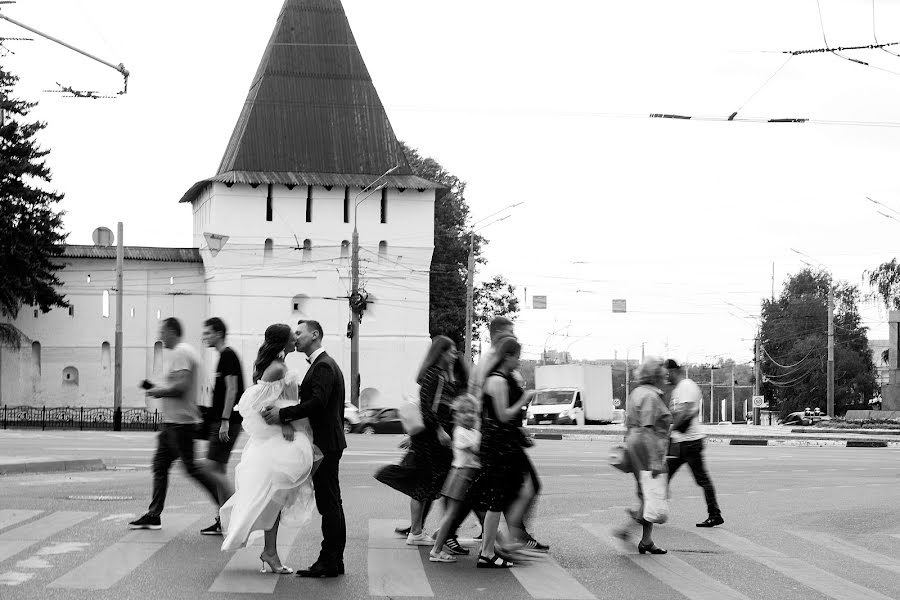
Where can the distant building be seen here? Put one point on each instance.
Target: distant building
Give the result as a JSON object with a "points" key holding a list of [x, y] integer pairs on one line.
{"points": [[882, 366], [272, 233]]}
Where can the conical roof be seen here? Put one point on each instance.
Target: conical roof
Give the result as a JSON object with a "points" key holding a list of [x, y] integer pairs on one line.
{"points": [[312, 115]]}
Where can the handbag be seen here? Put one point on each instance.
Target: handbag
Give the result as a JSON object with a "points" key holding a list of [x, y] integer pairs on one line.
{"points": [[656, 506], [411, 413], [620, 459]]}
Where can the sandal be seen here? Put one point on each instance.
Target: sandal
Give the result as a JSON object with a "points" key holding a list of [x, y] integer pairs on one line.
{"points": [[495, 562]]}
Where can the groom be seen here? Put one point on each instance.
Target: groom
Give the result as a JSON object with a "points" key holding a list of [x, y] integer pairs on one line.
{"points": [[322, 401]]}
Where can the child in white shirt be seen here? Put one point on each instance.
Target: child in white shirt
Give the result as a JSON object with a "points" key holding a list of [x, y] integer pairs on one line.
{"points": [[466, 444]]}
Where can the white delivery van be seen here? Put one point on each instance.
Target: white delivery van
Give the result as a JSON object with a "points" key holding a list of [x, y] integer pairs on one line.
{"points": [[571, 395]]}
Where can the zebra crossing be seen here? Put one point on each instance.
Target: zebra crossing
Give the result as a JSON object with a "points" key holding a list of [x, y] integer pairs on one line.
{"points": [[74, 550]]}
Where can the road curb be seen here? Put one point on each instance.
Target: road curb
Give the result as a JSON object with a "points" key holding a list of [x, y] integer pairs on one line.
{"points": [[52, 466]]}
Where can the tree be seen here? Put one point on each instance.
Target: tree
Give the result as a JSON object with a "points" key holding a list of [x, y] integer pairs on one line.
{"points": [[493, 298], [30, 226], [794, 336], [449, 263]]}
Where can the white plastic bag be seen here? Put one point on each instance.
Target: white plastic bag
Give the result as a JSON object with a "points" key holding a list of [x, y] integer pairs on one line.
{"points": [[656, 506], [411, 416]]}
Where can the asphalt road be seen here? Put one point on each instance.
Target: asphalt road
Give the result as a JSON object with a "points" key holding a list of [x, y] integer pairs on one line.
{"points": [[801, 523]]}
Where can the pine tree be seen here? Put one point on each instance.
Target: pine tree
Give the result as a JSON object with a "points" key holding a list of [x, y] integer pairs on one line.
{"points": [[30, 225]]}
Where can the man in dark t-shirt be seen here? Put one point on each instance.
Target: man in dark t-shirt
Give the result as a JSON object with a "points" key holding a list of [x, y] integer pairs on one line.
{"points": [[225, 422]]}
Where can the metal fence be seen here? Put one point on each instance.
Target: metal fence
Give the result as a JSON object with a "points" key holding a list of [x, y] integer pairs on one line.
{"points": [[81, 418]]}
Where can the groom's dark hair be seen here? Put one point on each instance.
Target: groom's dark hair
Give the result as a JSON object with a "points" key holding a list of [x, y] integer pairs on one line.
{"points": [[313, 326]]}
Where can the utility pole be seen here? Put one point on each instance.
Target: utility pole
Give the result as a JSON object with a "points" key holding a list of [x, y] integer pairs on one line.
{"points": [[830, 394], [470, 298], [117, 369], [712, 400], [757, 372], [732, 419]]}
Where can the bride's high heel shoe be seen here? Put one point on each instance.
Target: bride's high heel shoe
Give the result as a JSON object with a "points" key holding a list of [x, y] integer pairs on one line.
{"points": [[268, 560]]}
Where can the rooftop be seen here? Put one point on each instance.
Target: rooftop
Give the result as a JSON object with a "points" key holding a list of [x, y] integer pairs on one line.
{"points": [[184, 255]]}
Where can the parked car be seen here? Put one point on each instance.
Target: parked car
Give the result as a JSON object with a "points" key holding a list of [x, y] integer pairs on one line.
{"points": [[804, 418], [380, 420], [351, 418]]}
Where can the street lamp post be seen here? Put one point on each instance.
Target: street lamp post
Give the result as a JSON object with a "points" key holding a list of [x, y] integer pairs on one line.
{"points": [[356, 301]]}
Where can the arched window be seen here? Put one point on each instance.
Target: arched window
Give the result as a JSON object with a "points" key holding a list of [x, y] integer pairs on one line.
{"points": [[104, 307], [70, 377], [267, 249], [36, 359], [382, 250], [307, 249], [299, 305], [345, 249], [104, 355], [384, 205], [157, 358]]}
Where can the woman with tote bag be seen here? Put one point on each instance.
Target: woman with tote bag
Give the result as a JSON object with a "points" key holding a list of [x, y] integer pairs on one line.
{"points": [[647, 421]]}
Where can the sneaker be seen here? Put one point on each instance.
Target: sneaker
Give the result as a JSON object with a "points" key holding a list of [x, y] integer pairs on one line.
{"points": [[452, 546], [214, 529], [146, 522], [535, 546], [712, 521], [441, 557], [404, 531], [423, 539]]}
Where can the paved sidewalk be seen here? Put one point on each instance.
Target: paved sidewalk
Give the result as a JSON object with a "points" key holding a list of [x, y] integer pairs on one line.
{"points": [[770, 435], [14, 465]]}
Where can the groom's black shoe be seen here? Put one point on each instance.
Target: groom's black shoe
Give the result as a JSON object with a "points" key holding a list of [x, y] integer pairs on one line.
{"points": [[322, 570]]}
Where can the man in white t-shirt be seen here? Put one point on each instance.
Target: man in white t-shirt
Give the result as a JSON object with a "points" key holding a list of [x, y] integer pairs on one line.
{"points": [[686, 399], [180, 417]]}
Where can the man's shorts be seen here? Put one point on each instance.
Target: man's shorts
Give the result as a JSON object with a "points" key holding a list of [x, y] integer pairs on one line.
{"points": [[220, 451]]}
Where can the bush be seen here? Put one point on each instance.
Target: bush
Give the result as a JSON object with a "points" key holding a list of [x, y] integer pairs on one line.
{"points": [[860, 424]]}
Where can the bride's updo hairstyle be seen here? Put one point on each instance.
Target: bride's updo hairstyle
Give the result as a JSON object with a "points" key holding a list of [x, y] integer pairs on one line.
{"points": [[273, 345]]}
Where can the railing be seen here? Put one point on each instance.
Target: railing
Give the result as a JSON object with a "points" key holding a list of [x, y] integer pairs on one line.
{"points": [[81, 418]]}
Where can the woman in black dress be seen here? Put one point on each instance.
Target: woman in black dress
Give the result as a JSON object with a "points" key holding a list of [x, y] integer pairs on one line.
{"points": [[502, 454], [421, 473]]}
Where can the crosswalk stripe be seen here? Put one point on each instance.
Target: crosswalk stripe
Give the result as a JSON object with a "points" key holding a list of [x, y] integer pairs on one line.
{"points": [[17, 540], [794, 568], [841, 546], [673, 572], [113, 563], [9, 517], [545, 579], [394, 568], [241, 575]]}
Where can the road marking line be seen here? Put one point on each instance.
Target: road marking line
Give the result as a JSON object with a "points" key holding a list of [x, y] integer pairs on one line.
{"points": [[106, 568], [842, 546], [241, 575], [11, 517], [794, 568], [394, 568], [673, 572], [19, 539], [545, 579]]}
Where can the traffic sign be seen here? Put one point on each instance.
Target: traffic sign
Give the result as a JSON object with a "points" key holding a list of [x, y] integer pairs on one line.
{"points": [[760, 402], [616, 402]]}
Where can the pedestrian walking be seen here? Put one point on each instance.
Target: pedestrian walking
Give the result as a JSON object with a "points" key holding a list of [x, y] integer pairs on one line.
{"points": [[647, 422], [274, 476], [225, 421], [423, 469], [499, 483], [687, 439], [180, 417], [466, 445], [322, 399]]}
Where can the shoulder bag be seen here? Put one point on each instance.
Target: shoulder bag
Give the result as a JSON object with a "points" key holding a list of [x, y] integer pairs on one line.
{"points": [[411, 413]]}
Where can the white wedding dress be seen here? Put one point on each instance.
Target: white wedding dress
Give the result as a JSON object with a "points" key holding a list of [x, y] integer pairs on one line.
{"points": [[274, 475]]}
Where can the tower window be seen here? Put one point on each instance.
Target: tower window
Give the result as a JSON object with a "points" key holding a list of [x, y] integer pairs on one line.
{"points": [[70, 376], [269, 203], [384, 208], [345, 249], [36, 359], [71, 310], [347, 204], [307, 250], [104, 306], [267, 249], [309, 199]]}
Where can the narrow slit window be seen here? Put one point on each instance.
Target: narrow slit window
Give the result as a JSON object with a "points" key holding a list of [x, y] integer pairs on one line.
{"points": [[345, 249], [269, 203], [71, 310], [347, 204], [384, 205], [307, 250], [132, 311], [382, 250], [267, 249], [309, 200]]}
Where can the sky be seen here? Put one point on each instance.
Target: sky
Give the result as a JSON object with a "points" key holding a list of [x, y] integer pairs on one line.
{"points": [[543, 104]]}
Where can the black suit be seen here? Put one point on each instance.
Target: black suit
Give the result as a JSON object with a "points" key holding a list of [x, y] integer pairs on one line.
{"points": [[322, 402]]}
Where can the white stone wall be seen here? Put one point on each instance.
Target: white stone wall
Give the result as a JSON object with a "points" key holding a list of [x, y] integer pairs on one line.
{"points": [[250, 290], [77, 340]]}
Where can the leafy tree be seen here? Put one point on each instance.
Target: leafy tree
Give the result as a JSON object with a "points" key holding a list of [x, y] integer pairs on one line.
{"points": [[30, 226], [449, 263], [795, 336], [885, 279], [494, 298]]}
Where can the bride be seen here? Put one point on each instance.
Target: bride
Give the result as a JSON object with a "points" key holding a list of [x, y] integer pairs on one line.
{"points": [[274, 478]]}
